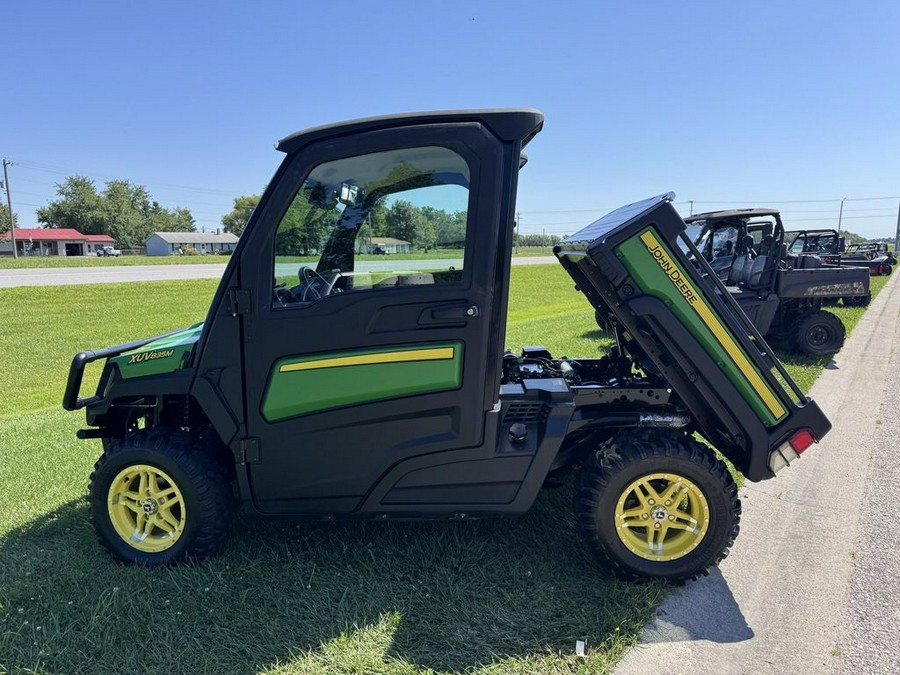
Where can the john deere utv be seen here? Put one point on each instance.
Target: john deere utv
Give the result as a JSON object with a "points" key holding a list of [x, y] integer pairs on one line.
{"points": [[781, 292], [350, 386]]}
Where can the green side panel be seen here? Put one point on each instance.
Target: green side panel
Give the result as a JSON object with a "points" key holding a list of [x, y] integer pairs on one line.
{"points": [[655, 282], [165, 355], [301, 392]]}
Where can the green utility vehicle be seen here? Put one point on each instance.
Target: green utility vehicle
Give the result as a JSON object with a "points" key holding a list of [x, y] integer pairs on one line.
{"points": [[331, 385], [781, 292]]}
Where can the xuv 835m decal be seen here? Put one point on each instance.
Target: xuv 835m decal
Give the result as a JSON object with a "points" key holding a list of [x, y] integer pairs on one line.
{"points": [[654, 269], [299, 385]]}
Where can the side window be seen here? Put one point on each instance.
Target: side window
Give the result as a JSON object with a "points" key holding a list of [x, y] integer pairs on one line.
{"points": [[384, 220]]}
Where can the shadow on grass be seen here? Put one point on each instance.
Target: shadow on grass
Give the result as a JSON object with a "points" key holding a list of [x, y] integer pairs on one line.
{"points": [[302, 598]]}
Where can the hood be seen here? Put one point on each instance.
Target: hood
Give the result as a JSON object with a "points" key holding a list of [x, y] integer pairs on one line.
{"points": [[166, 355]]}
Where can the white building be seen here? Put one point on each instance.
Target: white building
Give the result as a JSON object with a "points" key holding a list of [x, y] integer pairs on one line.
{"points": [[168, 243], [388, 245]]}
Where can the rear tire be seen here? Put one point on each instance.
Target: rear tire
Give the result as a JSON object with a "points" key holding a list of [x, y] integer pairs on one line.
{"points": [[668, 481], [159, 496], [886, 269], [858, 300], [818, 333]]}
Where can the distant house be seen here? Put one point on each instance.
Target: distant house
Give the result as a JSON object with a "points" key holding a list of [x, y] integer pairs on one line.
{"points": [[388, 245], [167, 243], [49, 241]]}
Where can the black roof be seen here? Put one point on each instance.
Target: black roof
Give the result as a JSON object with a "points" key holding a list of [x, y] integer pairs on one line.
{"points": [[509, 124], [819, 231], [732, 213]]}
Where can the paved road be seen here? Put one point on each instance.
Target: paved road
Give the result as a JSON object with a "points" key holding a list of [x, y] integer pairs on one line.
{"points": [[59, 276], [870, 643], [811, 585]]}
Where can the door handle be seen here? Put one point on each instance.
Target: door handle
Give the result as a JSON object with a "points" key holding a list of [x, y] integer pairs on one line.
{"points": [[455, 313], [452, 314]]}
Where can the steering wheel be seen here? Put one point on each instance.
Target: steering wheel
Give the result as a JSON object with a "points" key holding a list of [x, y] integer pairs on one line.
{"points": [[315, 284]]}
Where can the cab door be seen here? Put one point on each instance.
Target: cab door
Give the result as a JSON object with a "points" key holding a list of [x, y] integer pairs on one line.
{"points": [[377, 269]]}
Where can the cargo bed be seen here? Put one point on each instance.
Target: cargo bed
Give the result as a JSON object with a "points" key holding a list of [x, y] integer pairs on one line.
{"points": [[670, 312]]}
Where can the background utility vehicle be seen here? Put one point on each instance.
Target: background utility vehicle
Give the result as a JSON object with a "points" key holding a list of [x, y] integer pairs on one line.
{"points": [[876, 254], [832, 249], [380, 389], [108, 252], [781, 293]]}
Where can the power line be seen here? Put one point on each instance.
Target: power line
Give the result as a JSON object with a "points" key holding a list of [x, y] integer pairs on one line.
{"points": [[59, 170]]}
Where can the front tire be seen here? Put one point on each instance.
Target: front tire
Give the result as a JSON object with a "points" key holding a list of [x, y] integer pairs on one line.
{"points": [[657, 505], [159, 496], [818, 333]]}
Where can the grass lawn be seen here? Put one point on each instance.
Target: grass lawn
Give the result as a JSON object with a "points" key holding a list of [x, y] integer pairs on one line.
{"points": [[31, 262], [490, 597]]}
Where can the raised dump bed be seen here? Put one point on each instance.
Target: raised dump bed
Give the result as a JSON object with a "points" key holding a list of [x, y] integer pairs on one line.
{"points": [[671, 313]]}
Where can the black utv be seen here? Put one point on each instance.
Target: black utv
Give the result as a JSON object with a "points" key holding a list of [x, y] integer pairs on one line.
{"points": [[875, 255], [833, 250], [781, 292], [340, 387]]}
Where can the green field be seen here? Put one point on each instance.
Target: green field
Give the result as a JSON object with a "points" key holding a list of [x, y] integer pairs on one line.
{"points": [[488, 597]]}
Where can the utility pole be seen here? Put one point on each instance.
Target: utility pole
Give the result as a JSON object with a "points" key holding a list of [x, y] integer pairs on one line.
{"points": [[841, 216], [897, 234], [12, 222], [519, 220], [691, 202]]}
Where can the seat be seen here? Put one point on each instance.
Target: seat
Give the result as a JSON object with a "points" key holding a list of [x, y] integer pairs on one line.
{"points": [[755, 275], [737, 273]]}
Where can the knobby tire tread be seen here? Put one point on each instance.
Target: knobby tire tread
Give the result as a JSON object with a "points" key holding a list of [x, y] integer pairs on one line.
{"points": [[612, 458], [210, 475]]}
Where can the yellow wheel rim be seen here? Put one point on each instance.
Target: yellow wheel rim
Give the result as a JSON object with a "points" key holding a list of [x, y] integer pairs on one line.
{"points": [[662, 517], [146, 508]]}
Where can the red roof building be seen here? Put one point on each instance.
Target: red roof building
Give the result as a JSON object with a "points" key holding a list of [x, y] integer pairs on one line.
{"points": [[52, 241]]}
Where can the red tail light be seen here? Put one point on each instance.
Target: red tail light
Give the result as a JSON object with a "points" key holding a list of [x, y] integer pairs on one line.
{"points": [[802, 440], [789, 451]]}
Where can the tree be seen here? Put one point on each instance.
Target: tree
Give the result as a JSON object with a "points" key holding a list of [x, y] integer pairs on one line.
{"points": [[170, 220], [403, 221], [449, 228], [4, 218], [306, 225], [850, 237], [237, 218], [124, 211], [79, 207]]}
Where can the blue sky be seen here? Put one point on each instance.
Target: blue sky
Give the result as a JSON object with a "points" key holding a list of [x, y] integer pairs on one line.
{"points": [[786, 104]]}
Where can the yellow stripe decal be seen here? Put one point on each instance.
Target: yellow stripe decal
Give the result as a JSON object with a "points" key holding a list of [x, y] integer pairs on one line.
{"points": [[694, 299], [438, 354]]}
